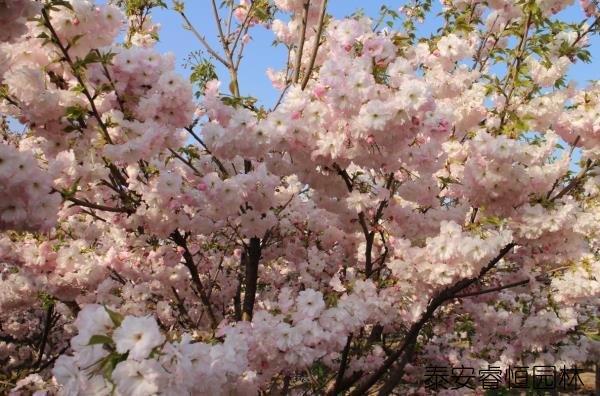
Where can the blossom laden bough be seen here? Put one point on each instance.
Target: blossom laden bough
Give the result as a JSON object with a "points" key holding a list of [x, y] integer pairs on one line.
{"points": [[408, 201]]}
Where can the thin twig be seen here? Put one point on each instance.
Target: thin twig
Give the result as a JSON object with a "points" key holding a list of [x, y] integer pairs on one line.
{"points": [[214, 158], [300, 49], [493, 289], [191, 266], [203, 41], [104, 208], [313, 56], [45, 334], [187, 162]]}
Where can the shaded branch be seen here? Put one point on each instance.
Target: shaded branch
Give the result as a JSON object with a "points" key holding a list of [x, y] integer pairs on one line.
{"points": [[48, 323], [493, 289], [415, 329], [191, 266], [252, 261], [343, 366], [104, 208]]}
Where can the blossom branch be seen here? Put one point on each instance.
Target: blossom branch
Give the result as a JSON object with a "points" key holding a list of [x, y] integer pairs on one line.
{"points": [[313, 56], [252, 260], [513, 72], [493, 289], [415, 329], [76, 74], [300, 49], [187, 162], [214, 158], [191, 266], [576, 180], [243, 30], [104, 208]]}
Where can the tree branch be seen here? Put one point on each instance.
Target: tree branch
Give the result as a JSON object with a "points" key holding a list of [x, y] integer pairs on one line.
{"points": [[415, 329], [45, 334], [300, 49], [343, 366], [575, 181], [313, 56], [493, 289], [191, 266], [203, 41], [252, 261]]}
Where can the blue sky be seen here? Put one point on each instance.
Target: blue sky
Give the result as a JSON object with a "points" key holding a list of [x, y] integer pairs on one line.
{"points": [[260, 54]]}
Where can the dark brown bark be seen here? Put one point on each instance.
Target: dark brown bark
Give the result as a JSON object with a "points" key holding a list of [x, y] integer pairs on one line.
{"points": [[252, 261]]}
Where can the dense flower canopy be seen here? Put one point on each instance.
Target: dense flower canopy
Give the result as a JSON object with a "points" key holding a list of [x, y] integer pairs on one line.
{"points": [[409, 201]]}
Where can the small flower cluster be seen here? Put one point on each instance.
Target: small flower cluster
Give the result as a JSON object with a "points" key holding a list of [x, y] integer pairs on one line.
{"points": [[582, 120], [403, 189], [501, 173], [86, 25], [13, 18], [32, 206], [447, 257], [130, 353]]}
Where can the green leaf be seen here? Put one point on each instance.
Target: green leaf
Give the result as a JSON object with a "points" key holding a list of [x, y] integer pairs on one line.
{"points": [[70, 192], [76, 112], [109, 363], [75, 39], [178, 6], [202, 73], [46, 299], [116, 317], [70, 128], [61, 3], [100, 339], [78, 88]]}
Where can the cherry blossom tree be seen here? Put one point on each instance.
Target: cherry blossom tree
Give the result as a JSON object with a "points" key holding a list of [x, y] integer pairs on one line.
{"points": [[409, 201]]}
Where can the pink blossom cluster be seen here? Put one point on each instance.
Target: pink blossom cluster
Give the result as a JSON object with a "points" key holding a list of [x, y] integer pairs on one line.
{"points": [[243, 362], [13, 17], [402, 192], [87, 25], [147, 362], [445, 258], [502, 173], [31, 205], [150, 103], [582, 120], [589, 7]]}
